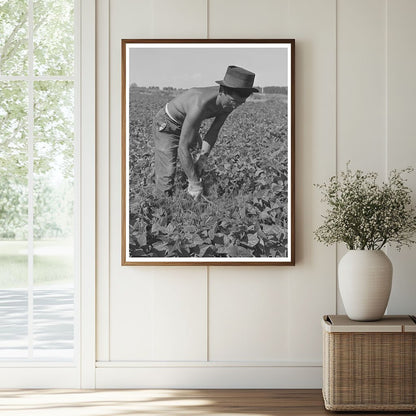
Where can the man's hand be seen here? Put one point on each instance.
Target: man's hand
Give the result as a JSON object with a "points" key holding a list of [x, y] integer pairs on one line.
{"points": [[195, 189], [200, 164]]}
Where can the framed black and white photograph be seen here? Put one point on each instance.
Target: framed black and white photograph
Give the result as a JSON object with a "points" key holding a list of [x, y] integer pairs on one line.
{"points": [[208, 152]]}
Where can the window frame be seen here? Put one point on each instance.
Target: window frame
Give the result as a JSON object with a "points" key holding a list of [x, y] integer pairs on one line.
{"points": [[81, 371]]}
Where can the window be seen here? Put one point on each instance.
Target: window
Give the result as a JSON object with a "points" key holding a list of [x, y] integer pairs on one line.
{"points": [[38, 180]]}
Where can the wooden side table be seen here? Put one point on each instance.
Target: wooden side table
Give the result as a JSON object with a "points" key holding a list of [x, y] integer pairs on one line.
{"points": [[369, 366]]}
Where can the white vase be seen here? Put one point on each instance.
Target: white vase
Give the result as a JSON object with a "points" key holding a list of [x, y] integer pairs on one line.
{"points": [[364, 278]]}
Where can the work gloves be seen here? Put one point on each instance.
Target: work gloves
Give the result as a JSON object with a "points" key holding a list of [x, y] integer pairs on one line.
{"points": [[195, 189]]}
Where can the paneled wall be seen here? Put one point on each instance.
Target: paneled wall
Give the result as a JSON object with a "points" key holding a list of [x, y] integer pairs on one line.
{"points": [[254, 326]]}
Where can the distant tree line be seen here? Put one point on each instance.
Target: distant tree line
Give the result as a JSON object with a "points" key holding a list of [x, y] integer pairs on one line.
{"points": [[274, 90], [167, 90], [170, 90]]}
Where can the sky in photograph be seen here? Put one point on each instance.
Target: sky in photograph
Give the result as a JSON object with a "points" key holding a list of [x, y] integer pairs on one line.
{"points": [[186, 67]]}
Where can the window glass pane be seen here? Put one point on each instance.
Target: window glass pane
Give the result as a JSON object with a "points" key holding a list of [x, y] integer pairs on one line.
{"points": [[54, 174], [53, 196], [13, 323], [53, 37], [53, 319], [13, 37], [13, 165], [13, 219]]}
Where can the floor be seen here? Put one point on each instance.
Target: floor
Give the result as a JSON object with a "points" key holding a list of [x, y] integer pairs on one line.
{"points": [[165, 402]]}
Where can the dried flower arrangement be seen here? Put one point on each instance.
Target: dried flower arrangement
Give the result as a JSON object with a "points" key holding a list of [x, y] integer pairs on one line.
{"points": [[366, 215]]}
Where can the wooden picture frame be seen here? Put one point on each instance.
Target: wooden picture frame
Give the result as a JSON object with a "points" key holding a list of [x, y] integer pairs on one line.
{"points": [[245, 213]]}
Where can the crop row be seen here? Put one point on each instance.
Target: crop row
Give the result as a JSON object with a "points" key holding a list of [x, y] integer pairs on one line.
{"points": [[244, 209]]}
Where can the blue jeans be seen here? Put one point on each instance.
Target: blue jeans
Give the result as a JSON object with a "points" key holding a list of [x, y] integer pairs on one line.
{"points": [[166, 134]]}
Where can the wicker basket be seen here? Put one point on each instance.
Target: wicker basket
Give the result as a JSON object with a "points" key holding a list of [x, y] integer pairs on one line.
{"points": [[369, 366]]}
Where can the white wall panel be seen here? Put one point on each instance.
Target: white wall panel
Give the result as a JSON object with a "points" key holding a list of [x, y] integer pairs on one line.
{"points": [[311, 283], [355, 88], [361, 84], [102, 178], [179, 309], [159, 18], [248, 314], [179, 18], [132, 18], [131, 316], [401, 143], [139, 326], [159, 316], [248, 19]]}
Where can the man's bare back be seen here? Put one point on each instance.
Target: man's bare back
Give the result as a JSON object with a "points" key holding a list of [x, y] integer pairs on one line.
{"points": [[202, 101]]}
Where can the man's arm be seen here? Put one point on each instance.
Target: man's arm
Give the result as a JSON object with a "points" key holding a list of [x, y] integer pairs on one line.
{"points": [[212, 134], [190, 129], [208, 143]]}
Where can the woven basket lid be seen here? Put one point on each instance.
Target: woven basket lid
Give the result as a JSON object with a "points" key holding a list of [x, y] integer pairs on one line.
{"points": [[390, 323]]}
